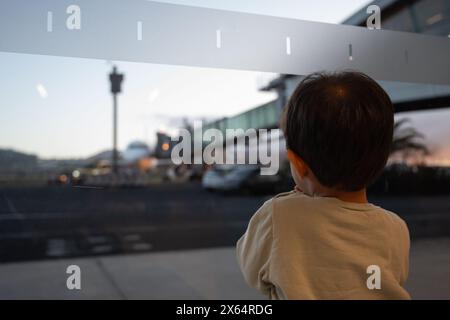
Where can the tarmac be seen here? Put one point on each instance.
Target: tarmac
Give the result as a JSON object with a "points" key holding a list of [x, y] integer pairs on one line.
{"points": [[188, 274]]}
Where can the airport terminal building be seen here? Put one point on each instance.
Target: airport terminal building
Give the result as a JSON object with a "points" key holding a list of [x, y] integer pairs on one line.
{"points": [[430, 17]]}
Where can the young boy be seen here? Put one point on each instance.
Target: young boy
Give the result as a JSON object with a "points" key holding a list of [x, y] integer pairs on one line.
{"points": [[324, 240]]}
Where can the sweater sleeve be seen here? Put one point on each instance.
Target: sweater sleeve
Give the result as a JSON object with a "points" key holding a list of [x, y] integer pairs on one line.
{"points": [[254, 248], [406, 247]]}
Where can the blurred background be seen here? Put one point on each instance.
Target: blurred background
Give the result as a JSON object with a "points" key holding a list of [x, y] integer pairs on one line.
{"points": [[140, 226]]}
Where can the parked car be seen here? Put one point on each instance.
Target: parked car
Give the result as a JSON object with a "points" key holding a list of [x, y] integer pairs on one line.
{"points": [[214, 178], [240, 178]]}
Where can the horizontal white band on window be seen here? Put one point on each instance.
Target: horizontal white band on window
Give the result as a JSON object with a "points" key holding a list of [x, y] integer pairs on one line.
{"points": [[145, 31]]}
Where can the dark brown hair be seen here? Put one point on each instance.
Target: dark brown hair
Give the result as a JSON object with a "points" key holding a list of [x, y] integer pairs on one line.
{"points": [[341, 125]]}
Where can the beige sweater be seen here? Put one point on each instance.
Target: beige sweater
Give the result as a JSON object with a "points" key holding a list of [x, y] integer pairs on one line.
{"points": [[302, 247]]}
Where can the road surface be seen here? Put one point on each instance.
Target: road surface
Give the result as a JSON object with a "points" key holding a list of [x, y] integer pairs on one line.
{"points": [[56, 222]]}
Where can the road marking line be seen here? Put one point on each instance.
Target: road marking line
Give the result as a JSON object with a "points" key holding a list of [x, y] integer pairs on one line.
{"points": [[13, 209]]}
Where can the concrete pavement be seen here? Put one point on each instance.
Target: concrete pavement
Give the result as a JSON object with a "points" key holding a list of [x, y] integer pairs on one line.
{"points": [[193, 274]]}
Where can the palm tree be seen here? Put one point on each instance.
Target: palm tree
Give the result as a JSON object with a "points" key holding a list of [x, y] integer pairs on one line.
{"points": [[407, 140]]}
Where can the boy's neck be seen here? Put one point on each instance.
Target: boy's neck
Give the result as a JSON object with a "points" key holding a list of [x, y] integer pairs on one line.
{"points": [[314, 187], [359, 196]]}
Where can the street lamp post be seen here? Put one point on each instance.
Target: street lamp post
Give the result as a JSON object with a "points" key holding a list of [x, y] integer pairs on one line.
{"points": [[116, 82]]}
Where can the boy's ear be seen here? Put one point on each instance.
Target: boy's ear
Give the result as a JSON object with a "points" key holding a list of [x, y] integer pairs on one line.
{"points": [[298, 163]]}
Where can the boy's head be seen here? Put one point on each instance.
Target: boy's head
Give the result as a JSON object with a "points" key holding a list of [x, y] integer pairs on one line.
{"points": [[338, 129]]}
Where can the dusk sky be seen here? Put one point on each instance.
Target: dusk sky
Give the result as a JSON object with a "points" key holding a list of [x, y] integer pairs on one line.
{"points": [[61, 107]]}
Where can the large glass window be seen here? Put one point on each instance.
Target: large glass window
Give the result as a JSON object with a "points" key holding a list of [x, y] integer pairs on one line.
{"points": [[399, 21], [433, 16]]}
